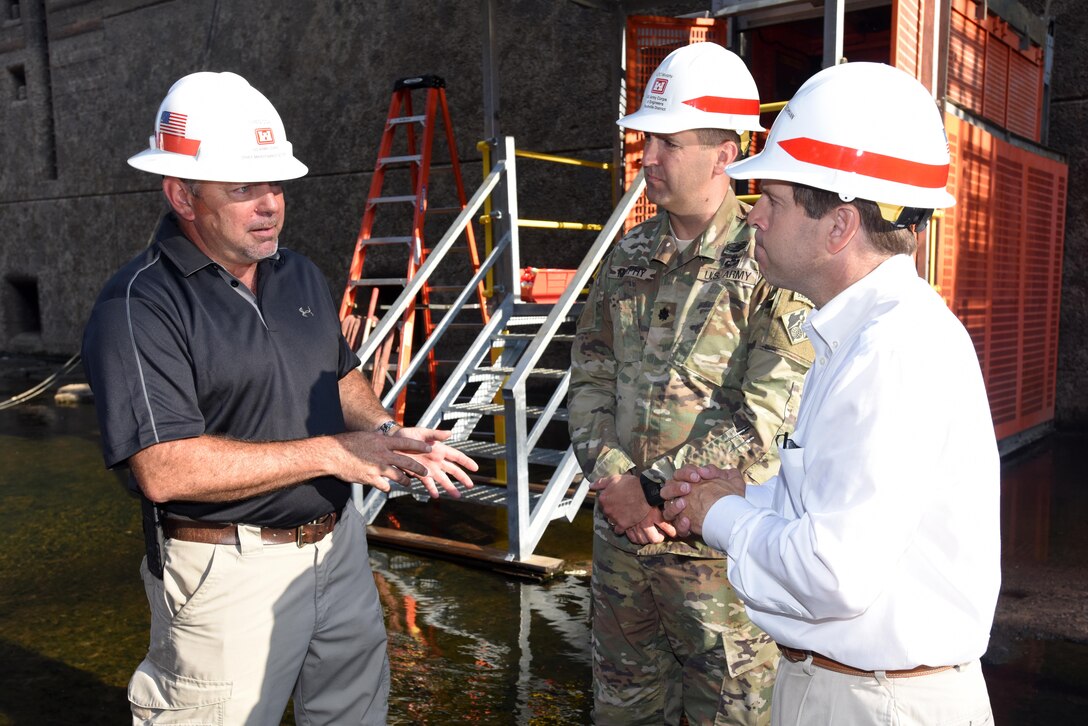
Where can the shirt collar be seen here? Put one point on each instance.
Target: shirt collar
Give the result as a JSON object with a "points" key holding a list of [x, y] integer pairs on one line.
{"points": [[180, 250], [731, 214], [848, 312]]}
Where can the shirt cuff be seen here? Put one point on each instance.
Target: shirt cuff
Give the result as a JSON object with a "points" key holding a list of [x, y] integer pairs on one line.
{"points": [[718, 523], [614, 461]]}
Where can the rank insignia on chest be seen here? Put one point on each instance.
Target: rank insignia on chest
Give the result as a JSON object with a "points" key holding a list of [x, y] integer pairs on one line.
{"points": [[664, 314], [736, 247], [792, 322]]}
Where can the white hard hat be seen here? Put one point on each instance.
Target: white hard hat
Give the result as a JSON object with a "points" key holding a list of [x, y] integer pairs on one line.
{"points": [[698, 86], [863, 130], [217, 127]]}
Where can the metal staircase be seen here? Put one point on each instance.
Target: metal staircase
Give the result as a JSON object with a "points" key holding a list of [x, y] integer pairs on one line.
{"points": [[521, 353]]}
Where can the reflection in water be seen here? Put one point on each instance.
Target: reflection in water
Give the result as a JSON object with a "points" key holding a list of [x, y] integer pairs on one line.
{"points": [[466, 645], [475, 647]]}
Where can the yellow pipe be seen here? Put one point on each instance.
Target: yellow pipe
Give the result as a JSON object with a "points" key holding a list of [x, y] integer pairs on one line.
{"points": [[774, 106], [548, 224], [562, 159], [485, 153]]}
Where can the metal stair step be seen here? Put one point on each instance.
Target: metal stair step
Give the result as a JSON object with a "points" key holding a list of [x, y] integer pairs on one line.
{"points": [[460, 410], [502, 371], [488, 450], [530, 336], [489, 495]]}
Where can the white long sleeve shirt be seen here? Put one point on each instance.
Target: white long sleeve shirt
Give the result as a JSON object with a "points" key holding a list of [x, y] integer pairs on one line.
{"points": [[878, 542]]}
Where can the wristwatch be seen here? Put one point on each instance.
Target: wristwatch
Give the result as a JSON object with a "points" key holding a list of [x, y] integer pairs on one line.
{"points": [[386, 429], [651, 489]]}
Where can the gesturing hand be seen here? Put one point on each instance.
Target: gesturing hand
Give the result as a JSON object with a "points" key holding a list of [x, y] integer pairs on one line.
{"points": [[441, 462]]}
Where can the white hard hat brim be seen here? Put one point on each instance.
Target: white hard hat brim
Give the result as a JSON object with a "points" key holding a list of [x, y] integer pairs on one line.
{"points": [[656, 122], [182, 166], [764, 165]]}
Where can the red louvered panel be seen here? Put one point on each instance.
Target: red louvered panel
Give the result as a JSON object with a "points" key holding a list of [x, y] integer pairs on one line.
{"points": [[989, 74], [1025, 98], [996, 81], [999, 267], [966, 56], [906, 36], [1004, 352]]}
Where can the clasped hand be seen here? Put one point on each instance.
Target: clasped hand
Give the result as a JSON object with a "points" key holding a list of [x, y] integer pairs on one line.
{"points": [[689, 495], [693, 490]]}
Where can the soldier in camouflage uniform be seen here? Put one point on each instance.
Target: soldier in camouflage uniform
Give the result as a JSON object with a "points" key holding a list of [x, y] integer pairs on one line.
{"points": [[684, 354]]}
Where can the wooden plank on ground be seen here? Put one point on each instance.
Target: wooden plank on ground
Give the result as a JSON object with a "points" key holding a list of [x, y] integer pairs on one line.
{"points": [[536, 566]]}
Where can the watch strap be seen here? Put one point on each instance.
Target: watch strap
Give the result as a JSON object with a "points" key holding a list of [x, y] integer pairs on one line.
{"points": [[651, 489]]}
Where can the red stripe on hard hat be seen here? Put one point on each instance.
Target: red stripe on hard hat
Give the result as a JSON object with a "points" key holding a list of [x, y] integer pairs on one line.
{"points": [[178, 144], [868, 163], [721, 104]]}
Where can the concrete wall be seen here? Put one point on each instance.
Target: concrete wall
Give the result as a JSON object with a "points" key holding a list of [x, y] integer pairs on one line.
{"points": [[92, 74], [1068, 121], [72, 210]]}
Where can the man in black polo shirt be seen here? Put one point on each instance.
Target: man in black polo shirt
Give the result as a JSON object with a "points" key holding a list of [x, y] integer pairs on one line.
{"points": [[222, 380]]}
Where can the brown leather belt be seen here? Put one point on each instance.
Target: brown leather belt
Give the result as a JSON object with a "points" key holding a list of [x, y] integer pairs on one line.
{"points": [[227, 534], [796, 656]]}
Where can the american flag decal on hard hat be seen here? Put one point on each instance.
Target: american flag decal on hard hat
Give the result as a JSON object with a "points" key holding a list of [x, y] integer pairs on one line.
{"points": [[172, 134]]}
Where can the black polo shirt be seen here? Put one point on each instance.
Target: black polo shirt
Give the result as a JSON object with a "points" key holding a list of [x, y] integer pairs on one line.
{"points": [[177, 348]]}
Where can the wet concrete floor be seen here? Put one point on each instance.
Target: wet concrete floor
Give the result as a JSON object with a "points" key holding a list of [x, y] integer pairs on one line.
{"points": [[466, 645]]}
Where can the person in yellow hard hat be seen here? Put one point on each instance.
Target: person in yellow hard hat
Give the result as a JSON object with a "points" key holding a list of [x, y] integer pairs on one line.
{"points": [[873, 558], [222, 381], [683, 354]]}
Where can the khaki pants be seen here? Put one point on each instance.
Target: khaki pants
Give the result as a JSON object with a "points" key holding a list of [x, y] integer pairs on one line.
{"points": [[808, 695], [238, 629]]}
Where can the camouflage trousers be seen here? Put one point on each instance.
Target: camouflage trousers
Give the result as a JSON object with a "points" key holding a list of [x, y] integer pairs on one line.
{"points": [[661, 629]]}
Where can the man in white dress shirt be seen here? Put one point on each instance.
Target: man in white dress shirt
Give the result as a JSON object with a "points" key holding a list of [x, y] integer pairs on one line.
{"points": [[873, 558]]}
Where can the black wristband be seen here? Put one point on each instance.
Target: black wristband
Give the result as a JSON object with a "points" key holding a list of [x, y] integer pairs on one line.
{"points": [[651, 490]]}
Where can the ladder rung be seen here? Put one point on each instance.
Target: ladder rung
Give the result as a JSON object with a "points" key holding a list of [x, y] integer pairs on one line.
{"points": [[406, 120], [444, 306], [444, 210], [392, 200], [387, 240], [402, 281], [445, 288], [391, 160]]}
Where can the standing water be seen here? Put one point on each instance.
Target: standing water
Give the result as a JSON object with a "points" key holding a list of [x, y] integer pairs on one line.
{"points": [[466, 646]]}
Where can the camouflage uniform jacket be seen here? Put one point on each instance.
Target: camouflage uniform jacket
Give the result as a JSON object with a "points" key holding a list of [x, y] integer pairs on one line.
{"points": [[685, 357]]}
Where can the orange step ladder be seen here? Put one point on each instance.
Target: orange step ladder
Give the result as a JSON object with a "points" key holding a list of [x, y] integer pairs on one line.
{"points": [[359, 311]]}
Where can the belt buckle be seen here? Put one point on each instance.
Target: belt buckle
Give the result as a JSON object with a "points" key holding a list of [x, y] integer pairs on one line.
{"points": [[298, 535]]}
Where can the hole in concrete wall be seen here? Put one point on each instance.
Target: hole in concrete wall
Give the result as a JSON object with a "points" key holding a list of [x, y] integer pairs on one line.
{"points": [[22, 306], [18, 80]]}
